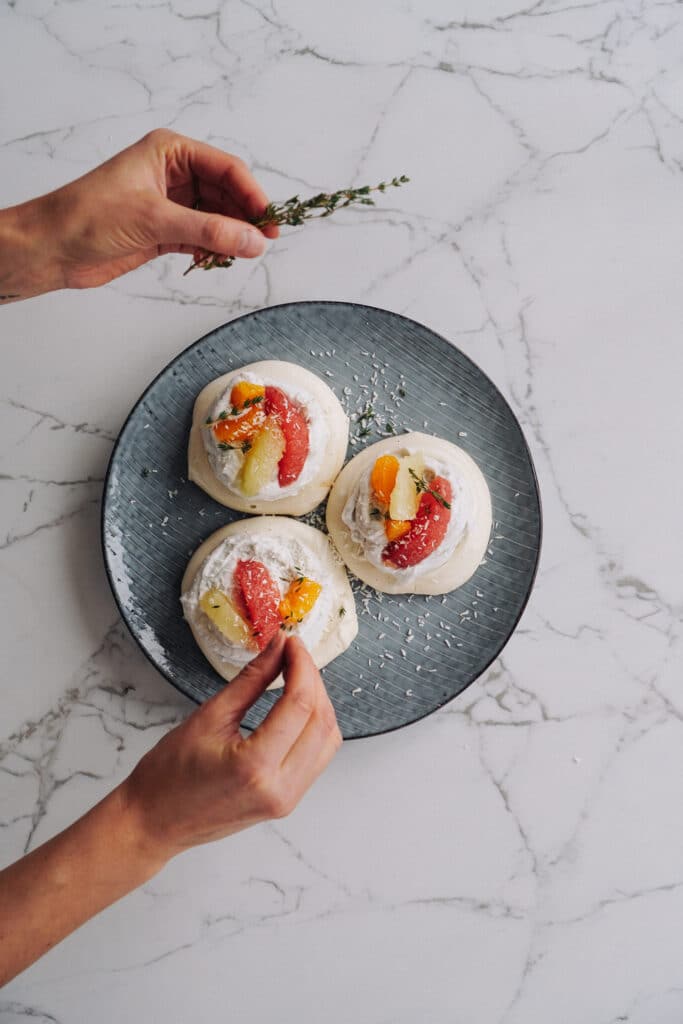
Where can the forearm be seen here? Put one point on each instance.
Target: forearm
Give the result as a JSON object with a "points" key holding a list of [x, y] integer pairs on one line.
{"points": [[60, 885], [29, 254]]}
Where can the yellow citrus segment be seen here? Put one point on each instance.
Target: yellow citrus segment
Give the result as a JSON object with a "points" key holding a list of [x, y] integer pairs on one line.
{"points": [[395, 528], [405, 496], [261, 461], [222, 612], [383, 477], [299, 599], [245, 391]]}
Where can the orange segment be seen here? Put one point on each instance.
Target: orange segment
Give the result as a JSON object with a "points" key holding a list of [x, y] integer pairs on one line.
{"points": [[383, 477], [395, 528], [235, 430], [299, 599], [245, 391]]}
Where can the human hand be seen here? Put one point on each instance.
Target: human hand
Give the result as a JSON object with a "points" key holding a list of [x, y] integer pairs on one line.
{"points": [[138, 205], [203, 781]]}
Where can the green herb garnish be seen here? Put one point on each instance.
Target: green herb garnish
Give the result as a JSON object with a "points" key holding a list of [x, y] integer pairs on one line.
{"points": [[295, 211], [421, 486]]}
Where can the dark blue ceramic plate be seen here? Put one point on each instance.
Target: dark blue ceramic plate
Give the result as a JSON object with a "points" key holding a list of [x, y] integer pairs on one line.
{"points": [[412, 654]]}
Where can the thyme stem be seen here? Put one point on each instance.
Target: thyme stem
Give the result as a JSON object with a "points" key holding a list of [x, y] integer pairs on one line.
{"points": [[295, 211]]}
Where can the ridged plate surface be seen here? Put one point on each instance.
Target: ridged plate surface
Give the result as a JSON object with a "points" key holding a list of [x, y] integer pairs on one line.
{"points": [[412, 654]]}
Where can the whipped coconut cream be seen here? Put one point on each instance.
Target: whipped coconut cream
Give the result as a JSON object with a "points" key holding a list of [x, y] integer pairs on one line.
{"points": [[368, 531], [285, 561], [227, 464]]}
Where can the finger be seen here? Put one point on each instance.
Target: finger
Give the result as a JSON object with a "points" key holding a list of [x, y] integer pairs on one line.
{"points": [[228, 172], [297, 780], [216, 200], [187, 250], [212, 199], [287, 719], [308, 759], [179, 225], [231, 703], [271, 231], [314, 749]]}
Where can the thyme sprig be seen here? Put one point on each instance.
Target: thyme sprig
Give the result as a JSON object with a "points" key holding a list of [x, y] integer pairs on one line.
{"points": [[421, 486], [295, 211]]}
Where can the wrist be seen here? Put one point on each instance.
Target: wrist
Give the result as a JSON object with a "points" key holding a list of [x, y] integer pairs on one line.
{"points": [[149, 849], [30, 261], [141, 851]]}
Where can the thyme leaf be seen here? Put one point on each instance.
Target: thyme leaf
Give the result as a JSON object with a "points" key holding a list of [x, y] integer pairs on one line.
{"points": [[421, 486]]}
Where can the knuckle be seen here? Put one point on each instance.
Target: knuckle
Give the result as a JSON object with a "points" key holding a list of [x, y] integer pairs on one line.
{"points": [[159, 136], [281, 805], [238, 163], [271, 799]]}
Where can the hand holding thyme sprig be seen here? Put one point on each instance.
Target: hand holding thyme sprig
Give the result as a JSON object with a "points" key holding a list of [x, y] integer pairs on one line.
{"points": [[295, 211]]}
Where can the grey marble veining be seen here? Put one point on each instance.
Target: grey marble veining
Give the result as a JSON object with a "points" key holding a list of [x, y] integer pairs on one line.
{"points": [[526, 841]]}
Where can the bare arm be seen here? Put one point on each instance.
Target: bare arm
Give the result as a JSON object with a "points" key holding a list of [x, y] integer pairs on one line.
{"points": [[201, 782], [166, 193]]}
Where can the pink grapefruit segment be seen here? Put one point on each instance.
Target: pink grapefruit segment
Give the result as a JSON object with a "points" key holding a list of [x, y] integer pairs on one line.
{"points": [[295, 428], [261, 598], [427, 529]]}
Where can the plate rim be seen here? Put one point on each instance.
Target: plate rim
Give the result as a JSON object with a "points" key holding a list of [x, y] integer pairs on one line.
{"points": [[285, 305]]}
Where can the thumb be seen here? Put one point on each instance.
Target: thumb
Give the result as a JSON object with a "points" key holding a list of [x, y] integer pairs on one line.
{"points": [[228, 236], [231, 703]]}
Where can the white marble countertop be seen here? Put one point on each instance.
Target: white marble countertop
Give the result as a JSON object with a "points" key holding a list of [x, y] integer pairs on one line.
{"points": [[516, 858]]}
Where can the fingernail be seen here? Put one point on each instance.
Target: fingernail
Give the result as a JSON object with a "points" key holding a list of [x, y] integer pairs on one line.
{"points": [[252, 243]]}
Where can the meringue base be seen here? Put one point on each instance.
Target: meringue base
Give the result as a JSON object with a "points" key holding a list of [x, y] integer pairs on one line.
{"points": [[312, 493], [339, 632], [466, 557]]}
